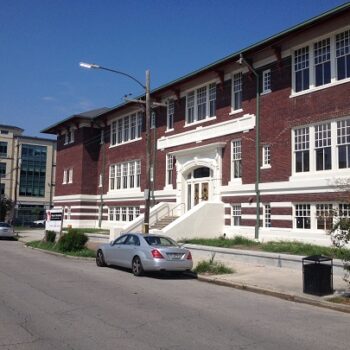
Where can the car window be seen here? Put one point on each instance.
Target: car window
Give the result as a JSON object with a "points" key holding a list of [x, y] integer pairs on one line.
{"points": [[160, 241], [3, 224], [121, 240], [132, 240]]}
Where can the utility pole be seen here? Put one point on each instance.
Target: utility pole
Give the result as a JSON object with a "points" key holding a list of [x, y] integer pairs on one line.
{"points": [[148, 154], [102, 176]]}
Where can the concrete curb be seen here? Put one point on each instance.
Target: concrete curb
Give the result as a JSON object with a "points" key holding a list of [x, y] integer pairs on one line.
{"points": [[281, 295]]}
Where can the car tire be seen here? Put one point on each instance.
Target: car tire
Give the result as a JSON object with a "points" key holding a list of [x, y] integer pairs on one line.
{"points": [[137, 268], [100, 259]]}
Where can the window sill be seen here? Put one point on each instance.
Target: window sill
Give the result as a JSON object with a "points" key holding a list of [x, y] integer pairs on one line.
{"points": [[236, 111], [235, 182], [199, 122], [265, 167], [125, 143], [169, 130], [318, 88], [265, 92]]}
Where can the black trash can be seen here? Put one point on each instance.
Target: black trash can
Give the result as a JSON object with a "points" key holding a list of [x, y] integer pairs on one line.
{"points": [[318, 275]]}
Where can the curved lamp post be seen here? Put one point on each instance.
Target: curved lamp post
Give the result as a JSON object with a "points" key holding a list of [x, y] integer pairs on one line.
{"points": [[146, 87]]}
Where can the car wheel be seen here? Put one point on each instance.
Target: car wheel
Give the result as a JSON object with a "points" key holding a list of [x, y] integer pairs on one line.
{"points": [[100, 259], [137, 268]]}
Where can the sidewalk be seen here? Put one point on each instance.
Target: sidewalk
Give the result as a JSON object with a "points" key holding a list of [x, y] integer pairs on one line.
{"points": [[282, 282]]}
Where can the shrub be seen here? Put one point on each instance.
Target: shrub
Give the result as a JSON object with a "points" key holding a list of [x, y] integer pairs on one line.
{"points": [[212, 267], [50, 236], [72, 241]]}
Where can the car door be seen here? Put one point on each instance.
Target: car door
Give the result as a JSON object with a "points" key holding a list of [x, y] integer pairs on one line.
{"points": [[129, 250], [115, 251]]}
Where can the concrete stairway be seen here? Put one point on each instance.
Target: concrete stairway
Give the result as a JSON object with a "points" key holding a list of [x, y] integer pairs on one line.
{"points": [[165, 221]]}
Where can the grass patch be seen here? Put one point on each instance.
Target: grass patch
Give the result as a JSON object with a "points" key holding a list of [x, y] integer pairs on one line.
{"points": [[286, 247], [88, 230], [52, 247], [212, 267], [340, 300]]}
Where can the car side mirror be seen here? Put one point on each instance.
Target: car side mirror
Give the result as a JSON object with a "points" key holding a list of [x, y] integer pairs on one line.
{"points": [[111, 243]]}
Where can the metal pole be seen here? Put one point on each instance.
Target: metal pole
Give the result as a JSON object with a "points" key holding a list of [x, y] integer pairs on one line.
{"points": [[148, 153], [103, 177], [257, 154]]}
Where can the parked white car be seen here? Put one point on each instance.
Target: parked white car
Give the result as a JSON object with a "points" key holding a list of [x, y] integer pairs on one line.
{"points": [[6, 230]]}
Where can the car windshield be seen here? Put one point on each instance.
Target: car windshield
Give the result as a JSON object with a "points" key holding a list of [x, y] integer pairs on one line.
{"points": [[160, 241], [3, 224]]}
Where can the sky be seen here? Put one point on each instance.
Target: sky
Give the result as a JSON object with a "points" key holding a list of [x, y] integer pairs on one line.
{"points": [[43, 41]]}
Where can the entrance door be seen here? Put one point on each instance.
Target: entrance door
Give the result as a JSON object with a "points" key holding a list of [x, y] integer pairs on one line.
{"points": [[198, 186]]}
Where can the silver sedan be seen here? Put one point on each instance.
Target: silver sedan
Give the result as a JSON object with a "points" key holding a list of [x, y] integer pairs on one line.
{"points": [[6, 230], [143, 253]]}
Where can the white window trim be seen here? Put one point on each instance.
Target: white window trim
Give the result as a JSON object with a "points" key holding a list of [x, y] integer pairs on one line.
{"points": [[313, 217], [207, 118], [171, 100], [65, 176], [263, 150], [66, 134], [167, 185], [135, 212], [233, 180], [70, 175], [128, 188], [233, 110], [232, 221], [310, 45], [267, 91], [312, 158], [123, 117]]}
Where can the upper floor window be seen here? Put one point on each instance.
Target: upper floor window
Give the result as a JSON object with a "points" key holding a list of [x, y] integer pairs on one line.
{"points": [[125, 175], [266, 81], [237, 88], [67, 176], [266, 156], [323, 146], [342, 52], [3, 149], [301, 150], [2, 169], [69, 137], [126, 129], [170, 114], [322, 62], [236, 156], [169, 169], [4, 132], [201, 103]]}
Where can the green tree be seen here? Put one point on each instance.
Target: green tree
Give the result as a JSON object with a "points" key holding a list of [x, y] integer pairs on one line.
{"points": [[6, 205]]}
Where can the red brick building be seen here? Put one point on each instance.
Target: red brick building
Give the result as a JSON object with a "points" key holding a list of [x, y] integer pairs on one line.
{"points": [[204, 144]]}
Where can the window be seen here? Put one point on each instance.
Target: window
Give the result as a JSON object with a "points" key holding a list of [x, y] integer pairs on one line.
{"points": [[302, 216], [100, 180], [126, 129], [170, 169], [70, 175], [65, 176], [2, 169], [266, 81], [3, 149], [237, 91], [343, 142], [342, 53], [267, 215], [344, 210], [322, 152], [236, 215], [266, 156], [323, 146], [69, 137], [2, 189], [322, 62], [32, 179], [236, 159], [153, 120], [301, 146], [301, 69], [201, 103], [124, 175], [4, 132], [170, 114], [324, 216]]}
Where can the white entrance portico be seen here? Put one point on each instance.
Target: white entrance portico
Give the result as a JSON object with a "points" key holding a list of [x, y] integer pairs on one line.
{"points": [[198, 174]]}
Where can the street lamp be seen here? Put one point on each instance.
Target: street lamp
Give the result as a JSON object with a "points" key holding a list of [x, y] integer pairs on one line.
{"points": [[146, 87], [242, 60]]}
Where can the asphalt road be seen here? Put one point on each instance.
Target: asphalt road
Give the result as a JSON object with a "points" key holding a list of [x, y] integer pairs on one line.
{"points": [[49, 302]]}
